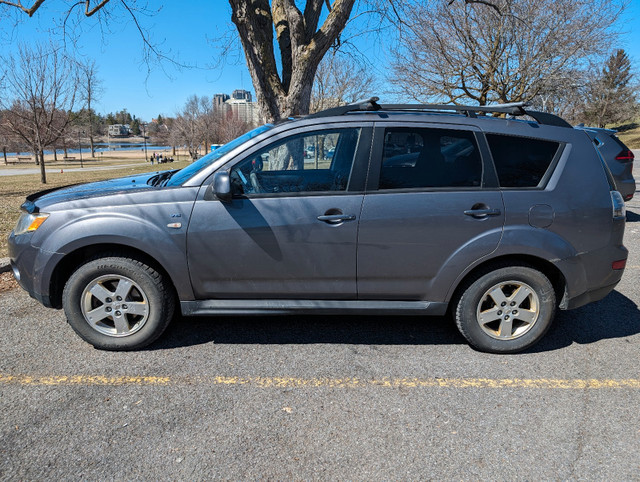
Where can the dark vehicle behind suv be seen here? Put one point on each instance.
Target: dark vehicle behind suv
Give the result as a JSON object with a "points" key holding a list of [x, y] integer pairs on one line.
{"points": [[618, 156], [419, 209]]}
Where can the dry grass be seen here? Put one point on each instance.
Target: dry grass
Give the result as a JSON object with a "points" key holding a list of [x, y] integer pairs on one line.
{"points": [[631, 138], [629, 134], [14, 189]]}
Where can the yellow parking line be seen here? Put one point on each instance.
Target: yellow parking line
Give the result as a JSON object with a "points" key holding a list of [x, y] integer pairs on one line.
{"points": [[292, 382]]}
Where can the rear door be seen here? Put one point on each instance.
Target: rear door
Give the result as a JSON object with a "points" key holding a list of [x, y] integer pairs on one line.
{"points": [[432, 208]]}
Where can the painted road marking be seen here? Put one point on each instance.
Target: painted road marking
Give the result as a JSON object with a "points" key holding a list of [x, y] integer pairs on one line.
{"points": [[291, 382]]}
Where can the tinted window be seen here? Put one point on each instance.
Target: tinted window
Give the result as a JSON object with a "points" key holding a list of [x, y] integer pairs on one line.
{"points": [[315, 161], [424, 158], [520, 161]]}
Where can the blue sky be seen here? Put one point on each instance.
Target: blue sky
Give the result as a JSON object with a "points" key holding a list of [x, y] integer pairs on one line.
{"points": [[192, 31]]}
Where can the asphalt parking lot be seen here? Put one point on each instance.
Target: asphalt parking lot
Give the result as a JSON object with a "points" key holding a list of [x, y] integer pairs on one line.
{"points": [[324, 397]]}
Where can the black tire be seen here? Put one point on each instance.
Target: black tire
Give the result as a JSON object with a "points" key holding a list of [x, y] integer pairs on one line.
{"points": [[484, 322], [132, 322]]}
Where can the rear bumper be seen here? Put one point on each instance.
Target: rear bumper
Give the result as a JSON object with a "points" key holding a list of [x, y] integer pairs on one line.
{"points": [[626, 188], [590, 276], [588, 297]]}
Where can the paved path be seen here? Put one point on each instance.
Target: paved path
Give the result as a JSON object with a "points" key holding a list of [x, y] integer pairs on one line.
{"points": [[36, 170]]}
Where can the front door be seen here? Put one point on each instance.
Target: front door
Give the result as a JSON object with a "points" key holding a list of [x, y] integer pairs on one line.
{"points": [[291, 229]]}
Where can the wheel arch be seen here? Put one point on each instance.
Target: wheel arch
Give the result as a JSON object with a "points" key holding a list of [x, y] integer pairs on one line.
{"points": [[551, 271], [73, 260]]}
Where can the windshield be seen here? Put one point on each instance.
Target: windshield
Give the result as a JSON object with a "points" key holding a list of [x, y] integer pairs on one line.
{"points": [[182, 175]]}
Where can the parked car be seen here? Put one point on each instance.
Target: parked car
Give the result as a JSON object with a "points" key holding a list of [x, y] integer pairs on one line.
{"points": [[617, 155], [497, 221]]}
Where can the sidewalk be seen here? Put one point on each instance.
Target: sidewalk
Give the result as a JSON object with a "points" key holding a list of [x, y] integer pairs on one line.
{"points": [[36, 170]]}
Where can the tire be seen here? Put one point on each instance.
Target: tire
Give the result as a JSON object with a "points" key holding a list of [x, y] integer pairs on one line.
{"points": [[117, 303], [506, 310]]}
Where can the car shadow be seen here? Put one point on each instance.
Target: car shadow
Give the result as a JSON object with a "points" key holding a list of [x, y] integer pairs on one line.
{"points": [[616, 316], [632, 217]]}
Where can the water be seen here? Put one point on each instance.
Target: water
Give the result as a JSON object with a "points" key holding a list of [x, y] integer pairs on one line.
{"points": [[99, 147]]}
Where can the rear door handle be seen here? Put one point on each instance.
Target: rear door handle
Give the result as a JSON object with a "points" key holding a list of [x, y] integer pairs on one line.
{"points": [[482, 213], [336, 218]]}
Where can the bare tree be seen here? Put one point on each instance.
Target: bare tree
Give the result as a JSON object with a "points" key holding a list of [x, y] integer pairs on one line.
{"points": [[194, 125], [340, 80], [7, 140], [461, 51], [611, 97], [229, 126], [39, 90], [90, 88]]}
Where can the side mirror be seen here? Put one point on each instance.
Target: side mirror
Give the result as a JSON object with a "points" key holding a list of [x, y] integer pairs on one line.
{"points": [[222, 186]]}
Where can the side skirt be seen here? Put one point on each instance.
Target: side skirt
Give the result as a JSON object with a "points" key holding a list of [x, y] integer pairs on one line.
{"points": [[300, 307]]}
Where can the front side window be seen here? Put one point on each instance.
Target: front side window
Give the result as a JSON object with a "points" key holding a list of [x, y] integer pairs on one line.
{"points": [[310, 162], [429, 158], [181, 176]]}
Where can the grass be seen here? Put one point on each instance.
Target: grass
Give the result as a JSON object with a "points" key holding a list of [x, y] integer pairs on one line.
{"points": [[630, 134], [631, 138], [14, 189]]}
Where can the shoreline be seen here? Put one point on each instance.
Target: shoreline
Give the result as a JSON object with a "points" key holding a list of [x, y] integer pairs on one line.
{"points": [[23, 160]]}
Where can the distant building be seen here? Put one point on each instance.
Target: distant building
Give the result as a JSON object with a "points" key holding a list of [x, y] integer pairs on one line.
{"points": [[239, 104], [118, 130], [219, 100], [240, 94]]}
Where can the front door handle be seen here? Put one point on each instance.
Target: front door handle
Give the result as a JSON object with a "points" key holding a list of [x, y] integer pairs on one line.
{"points": [[336, 218]]}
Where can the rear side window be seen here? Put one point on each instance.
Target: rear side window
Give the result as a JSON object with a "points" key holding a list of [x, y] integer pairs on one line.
{"points": [[429, 158], [521, 161]]}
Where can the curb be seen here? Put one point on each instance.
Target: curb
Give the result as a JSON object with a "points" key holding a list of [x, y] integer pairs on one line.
{"points": [[5, 265]]}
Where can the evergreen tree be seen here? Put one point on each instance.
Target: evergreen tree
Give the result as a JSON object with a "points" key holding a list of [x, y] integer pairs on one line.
{"points": [[134, 127], [611, 96]]}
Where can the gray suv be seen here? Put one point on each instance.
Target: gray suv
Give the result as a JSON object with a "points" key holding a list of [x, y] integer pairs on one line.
{"points": [[497, 220]]}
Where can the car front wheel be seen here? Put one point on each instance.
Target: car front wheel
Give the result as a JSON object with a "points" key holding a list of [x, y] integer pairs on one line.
{"points": [[118, 303], [506, 310]]}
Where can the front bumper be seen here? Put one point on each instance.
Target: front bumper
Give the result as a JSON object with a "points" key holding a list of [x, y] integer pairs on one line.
{"points": [[29, 267]]}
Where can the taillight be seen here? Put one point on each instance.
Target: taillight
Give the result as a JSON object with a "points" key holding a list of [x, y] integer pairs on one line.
{"points": [[619, 264], [625, 156], [619, 211]]}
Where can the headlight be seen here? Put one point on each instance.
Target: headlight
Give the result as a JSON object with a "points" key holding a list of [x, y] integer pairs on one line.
{"points": [[29, 222]]}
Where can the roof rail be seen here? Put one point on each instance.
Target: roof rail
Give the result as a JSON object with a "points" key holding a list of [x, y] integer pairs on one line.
{"points": [[514, 109]]}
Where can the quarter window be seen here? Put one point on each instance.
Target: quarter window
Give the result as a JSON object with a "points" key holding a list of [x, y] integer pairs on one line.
{"points": [[521, 161], [310, 162], [429, 158]]}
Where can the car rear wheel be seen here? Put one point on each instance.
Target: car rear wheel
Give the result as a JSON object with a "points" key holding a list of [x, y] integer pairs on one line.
{"points": [[506, 310], [118, 303]]}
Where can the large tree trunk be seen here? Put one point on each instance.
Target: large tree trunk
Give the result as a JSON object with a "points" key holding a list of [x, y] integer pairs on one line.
{"points": [[4, 153], [302, 47]]}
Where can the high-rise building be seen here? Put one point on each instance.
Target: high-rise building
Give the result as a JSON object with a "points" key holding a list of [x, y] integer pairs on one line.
{"points": [[240, 94], [239, 104], [219, 100]]}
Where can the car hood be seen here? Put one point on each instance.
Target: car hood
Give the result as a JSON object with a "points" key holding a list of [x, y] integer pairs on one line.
{"points": [[74, 192]]}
